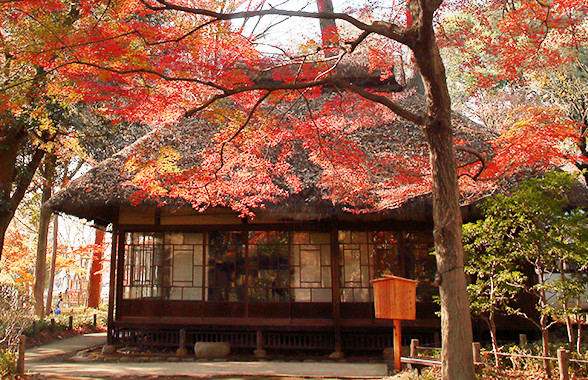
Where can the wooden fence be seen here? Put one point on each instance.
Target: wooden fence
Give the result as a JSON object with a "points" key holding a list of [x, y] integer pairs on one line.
{"points": [[416, 361]]}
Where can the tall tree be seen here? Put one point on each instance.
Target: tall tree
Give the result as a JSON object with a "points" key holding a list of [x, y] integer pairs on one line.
{"points": [[48, 174], [180, 58], [95, 282], [535, 226], [30, 117]]}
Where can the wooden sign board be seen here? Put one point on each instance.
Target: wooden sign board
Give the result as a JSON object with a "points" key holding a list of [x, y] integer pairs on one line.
{"points": [[395, 298]]}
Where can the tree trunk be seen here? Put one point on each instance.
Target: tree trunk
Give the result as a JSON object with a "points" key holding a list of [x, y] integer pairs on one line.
{"points": [[494, 338], [9, 143], [566, 309], [95, 271], [49, 303], [455, 312], [5, 218], [570, 330], [12, 186], [456, 327], [545, 345], [579, 319], [41, 263], [44, 220]]}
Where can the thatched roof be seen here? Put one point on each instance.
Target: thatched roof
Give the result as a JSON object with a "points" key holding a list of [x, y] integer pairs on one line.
{"points": [[99, 193]]}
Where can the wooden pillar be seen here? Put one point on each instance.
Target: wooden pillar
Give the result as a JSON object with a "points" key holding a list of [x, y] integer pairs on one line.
{"points": [[414, 344], [259, 340], [563, 361], [20, 361], [477, 353], [336, 292], [182, 351], [245, 236], [397, 345], [522, 340], [112, 285], [259, 352], [120, 262]]}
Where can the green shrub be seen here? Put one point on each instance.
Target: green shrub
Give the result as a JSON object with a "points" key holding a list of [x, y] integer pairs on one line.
{"points": [[7, 364]]}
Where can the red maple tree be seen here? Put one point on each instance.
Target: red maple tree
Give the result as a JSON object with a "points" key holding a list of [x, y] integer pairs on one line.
{"points": [[156, 60]]}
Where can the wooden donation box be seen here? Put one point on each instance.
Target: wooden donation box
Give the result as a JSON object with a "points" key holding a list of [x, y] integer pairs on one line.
{"points": [[395, 298]]}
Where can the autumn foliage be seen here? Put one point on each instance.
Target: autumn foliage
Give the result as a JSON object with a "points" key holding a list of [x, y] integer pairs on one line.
{"points": [[158, 65]]}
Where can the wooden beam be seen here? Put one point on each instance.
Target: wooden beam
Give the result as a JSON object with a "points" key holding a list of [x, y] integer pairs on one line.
{"points": [[112, 290], [120, 261], [397, 345], [336, 293]]}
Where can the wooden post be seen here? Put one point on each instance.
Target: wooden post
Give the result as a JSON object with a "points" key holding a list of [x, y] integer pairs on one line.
{"points": [[70, 322], [52, 324], [563, 361], [523, 340], [112, 286], [335, 290], [437, 338], [182, 338], [397, 345], [95, 322], [259, 352], [182, 350], [20, 361], [476, 350], [259, 340], [414, 343]]}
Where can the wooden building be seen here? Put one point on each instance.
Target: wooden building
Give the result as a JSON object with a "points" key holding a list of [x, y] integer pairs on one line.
{"points": [[297, 275]]}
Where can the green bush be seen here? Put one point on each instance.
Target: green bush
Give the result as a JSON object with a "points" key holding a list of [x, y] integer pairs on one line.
{"points": [[7, 364], [83, 320]]}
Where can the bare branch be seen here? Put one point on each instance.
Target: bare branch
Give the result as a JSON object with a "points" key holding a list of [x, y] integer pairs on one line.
{"points": [[397, 109], [354, 44], [394, 107], [478, 156], [152, 72], [238, 131], [390, 30]]}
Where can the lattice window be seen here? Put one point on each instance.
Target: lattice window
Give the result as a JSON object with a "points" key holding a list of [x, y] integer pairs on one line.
{"points": [[184, 266], [311, 267], [365, 256], [225, 266], [142, 265], [268, 266]]}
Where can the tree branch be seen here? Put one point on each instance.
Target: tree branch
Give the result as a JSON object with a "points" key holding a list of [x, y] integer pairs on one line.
{"points": [[475, 153], [27, 177], [238, 131], [394, 107], [390, 30]]}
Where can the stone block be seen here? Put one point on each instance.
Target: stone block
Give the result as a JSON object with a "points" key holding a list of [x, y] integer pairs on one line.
{"points": [[212, 350], [109, 349]]}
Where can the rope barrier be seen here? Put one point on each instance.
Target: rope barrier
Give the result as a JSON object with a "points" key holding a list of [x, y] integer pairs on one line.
{"points": [[531, 356], [508, 354], [518, 355]]}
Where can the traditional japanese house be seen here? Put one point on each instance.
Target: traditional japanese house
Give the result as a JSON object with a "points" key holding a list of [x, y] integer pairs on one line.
{"points": [[294, 274]]}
